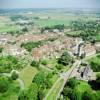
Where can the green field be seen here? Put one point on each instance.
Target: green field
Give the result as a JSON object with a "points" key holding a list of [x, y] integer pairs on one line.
{"points": [[8, 28], [27, 75]]}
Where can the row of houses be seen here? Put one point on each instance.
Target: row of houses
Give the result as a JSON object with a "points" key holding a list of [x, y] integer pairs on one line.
{"points": [[75, 46], [82, 48], [53, 49], [5, 38], [28, 37], [14, 50]]}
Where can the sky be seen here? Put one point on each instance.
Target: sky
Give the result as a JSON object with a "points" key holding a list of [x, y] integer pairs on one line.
{"points": [[49, 3]]}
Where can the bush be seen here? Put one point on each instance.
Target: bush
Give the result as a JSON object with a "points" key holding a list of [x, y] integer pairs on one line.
{"points": [[88, 96], [65, 59], [59, 66], [95, 66], [42, 80], [4, 84], [25, 29], [1, 49], [35, 64], [14, 75], [8, 63], [44, 62], [33, 92], [23, 95], [72, 83]]}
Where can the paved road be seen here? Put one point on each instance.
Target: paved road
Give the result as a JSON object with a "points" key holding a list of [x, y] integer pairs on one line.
{"points": [[64, 76]]}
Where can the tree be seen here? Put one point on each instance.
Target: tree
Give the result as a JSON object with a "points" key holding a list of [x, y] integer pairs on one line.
{"points": [[14, 75], [25, 29], [35, 64], [59, 66], [40, 79], [67, 92], [76, 95], [4, 84], [88, 96], [44, 62], [23, 95], [65, 59], [72, 83], [1, 49], [88, 29], [8, 63], [41, 95], [33, 92], [98, 78]]}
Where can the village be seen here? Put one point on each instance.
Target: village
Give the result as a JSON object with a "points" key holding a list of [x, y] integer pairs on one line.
{"points": [[76, 47], [49, 54]]}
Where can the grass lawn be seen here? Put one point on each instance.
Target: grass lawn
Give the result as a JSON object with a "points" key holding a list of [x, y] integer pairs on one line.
{"points": [[75, 33], [27, 75], [54, 93]]}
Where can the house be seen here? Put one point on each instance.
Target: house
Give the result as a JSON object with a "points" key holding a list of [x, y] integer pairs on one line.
{"points": [[89, 49], [76, 46], [48, 50], [32, 37], [13, 50], [97, 46], [52, 49], [85, 73], [5, 38]]}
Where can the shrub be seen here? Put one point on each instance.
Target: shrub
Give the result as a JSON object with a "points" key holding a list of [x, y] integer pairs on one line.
{"points": [[4, 84], [44, 62], [65, 59], [14, 75], [59, 66], [35, 64]]}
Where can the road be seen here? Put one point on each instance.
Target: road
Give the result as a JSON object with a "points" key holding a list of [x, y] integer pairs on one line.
{"points": [[64, 76]]}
